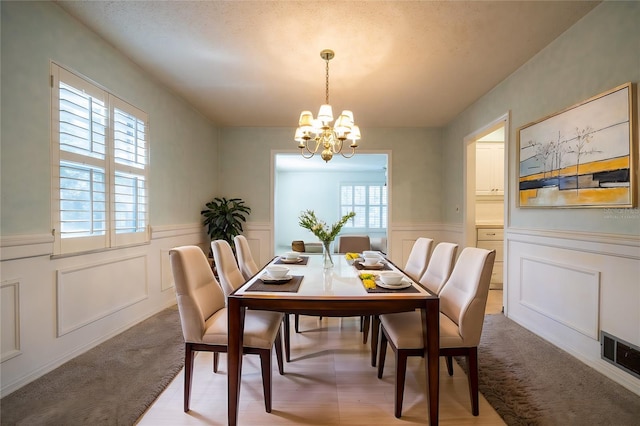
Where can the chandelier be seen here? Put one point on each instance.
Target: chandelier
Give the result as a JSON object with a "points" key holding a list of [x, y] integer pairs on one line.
{"points": [[313, 134]]}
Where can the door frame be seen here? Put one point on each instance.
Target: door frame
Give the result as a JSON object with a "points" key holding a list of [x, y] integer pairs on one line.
{"points": [[469, 206]]}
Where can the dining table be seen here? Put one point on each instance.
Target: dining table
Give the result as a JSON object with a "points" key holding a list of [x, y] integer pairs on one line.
{"points": [[313, 289]]}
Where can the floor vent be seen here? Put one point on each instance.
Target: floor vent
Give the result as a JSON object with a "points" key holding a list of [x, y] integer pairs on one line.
{"points": [[620, 353]]}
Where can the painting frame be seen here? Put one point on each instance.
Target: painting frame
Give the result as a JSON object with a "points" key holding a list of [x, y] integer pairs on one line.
{"points": [[584, 156]]}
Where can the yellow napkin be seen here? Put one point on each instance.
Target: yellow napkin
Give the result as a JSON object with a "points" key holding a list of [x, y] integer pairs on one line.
{"points": [[368, 280]]}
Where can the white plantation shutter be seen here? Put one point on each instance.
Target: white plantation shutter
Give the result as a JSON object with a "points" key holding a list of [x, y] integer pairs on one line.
{"points": [[369, 202], [100, 167], [130, 174]]}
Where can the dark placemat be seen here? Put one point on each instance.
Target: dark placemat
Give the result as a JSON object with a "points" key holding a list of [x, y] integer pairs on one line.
{"points": [[290, 287], [359, 266], [304, 261]]}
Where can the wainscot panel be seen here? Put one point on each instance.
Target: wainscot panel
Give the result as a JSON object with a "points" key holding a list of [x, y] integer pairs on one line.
{"points": [[567, 286]]}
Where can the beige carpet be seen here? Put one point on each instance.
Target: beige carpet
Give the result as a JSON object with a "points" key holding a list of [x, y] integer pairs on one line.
{"points": [[111, 384], [532, 382]]}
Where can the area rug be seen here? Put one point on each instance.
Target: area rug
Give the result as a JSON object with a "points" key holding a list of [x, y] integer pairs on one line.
{"points": [[529, 381], [111, 384]]}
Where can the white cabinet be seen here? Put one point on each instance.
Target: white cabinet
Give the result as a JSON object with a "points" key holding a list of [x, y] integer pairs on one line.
{"points": [[489, 168], [491, 239]]}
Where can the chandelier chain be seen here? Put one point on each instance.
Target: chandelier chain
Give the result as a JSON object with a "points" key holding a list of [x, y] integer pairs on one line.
{"points": [[327, 82]]}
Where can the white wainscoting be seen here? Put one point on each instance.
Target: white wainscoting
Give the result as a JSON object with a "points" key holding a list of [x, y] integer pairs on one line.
{"points": [[259, 235], [568, 286], [552, 289], [90, 292], [402, 237], [10, 315], [55, 308]]}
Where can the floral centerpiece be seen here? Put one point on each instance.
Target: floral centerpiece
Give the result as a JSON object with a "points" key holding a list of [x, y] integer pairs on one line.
{"points": [[325, 234]]}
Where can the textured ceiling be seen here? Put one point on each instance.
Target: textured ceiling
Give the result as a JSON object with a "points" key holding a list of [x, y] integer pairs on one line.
{"points": [[397, 64]]}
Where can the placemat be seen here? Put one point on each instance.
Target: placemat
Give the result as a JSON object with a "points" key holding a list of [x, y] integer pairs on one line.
{"points": [[290, 287], [388, 290], [304, 261], [359, 266]]}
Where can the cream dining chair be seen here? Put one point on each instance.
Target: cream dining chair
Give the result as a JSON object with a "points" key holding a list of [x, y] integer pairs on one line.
{"points": [[203, 316], [462, 304], [418, 258], [231, 278], [247, 265], [433, 279], [249, 268]]}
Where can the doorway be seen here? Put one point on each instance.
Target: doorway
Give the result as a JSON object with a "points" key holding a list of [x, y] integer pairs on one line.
{"points": [[485, 192], [311, 184]]}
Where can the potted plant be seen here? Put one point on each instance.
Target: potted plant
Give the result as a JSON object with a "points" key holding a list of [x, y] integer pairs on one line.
{"points": [[223, 218]]}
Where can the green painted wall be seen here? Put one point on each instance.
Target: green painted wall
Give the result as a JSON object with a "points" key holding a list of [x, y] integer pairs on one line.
{"points": [[416, 169], [183, 144], [598, 53]]}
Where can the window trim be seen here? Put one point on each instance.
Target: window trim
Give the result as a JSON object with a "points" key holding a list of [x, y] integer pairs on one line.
{"points": [[110, 239]]}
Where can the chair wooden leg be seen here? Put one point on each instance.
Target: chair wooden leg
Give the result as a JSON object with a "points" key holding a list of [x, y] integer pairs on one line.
{"points": [[278, 345], [297, 323], [366, 321], [287, 342], [188, 374], [472, 362], [383, 353], [216, 359], [265, 362], [401, 370], [375, 331], [449, 360]]}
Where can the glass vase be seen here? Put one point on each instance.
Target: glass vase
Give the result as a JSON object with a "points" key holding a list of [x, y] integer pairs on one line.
{"points": [[327, 261]]}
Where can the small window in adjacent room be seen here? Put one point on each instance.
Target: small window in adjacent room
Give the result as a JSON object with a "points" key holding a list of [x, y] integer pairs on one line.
{"points": [[99, 167], [368, 201]]}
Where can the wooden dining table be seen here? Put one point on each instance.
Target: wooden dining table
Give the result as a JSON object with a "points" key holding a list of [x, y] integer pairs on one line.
{"points": [[334, 292]]}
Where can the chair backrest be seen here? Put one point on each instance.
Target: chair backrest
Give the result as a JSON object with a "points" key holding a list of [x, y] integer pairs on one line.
{"points": [[353, 243], [464, 296], [230, 276], [198, 293], [440, 267], [418, 258], [247, 265]]}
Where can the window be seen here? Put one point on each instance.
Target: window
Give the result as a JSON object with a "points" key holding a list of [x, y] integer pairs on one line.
{"points": [[368, 201], [100, 167]]}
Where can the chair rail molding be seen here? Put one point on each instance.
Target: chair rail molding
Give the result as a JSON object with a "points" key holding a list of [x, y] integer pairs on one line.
{"points": [[15, 247]]}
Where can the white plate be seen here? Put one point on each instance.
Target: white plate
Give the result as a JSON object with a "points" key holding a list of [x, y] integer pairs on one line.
{"points": [[285, 260], [378, 265], [403, 284], [268, 279]]}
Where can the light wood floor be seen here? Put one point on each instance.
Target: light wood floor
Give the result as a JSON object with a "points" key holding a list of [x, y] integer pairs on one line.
{"points": [[330, 381]]}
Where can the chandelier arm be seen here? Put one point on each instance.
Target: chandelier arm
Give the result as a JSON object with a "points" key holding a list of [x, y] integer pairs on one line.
{"points": [[337, 146], [353, 152], [306, 156]]}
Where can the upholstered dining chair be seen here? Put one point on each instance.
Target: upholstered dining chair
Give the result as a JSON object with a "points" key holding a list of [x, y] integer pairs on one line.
{"points": [[203, 316], [231, 278], [353, 243], [440, 266], [433, 279], [462, 304], [418, 258], [247, 265]]}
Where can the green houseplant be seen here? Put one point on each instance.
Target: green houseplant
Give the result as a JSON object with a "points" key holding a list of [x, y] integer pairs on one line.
{"points": [[223, 218]]}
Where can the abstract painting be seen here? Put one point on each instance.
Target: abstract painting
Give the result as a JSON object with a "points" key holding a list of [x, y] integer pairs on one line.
{"points": [[583, 156]]}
